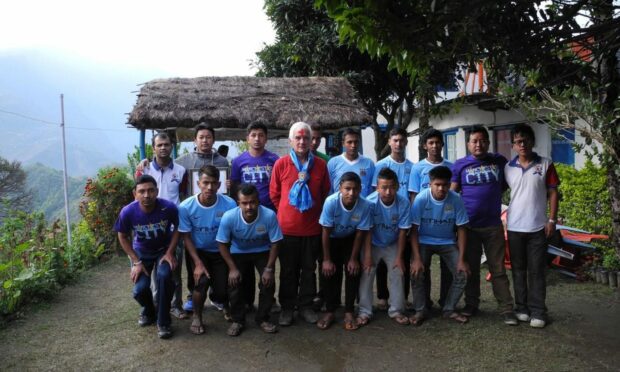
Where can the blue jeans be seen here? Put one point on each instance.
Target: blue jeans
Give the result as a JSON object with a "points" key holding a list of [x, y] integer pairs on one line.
{"points": [[143, 295], [450, 255]]}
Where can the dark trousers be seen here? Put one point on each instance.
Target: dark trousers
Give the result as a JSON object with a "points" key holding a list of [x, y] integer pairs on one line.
{"points": [[528, 252], [298, 257], [492, 239], [238, 304], [382, 271], [340, 251], [249, 285], [217, 268], [143, 295]]}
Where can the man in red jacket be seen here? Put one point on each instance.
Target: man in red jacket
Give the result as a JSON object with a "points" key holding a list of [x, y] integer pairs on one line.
{"points": [[299, 185]]}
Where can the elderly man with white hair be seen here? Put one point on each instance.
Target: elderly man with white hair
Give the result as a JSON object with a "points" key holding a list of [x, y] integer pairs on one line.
{"points": [[299, 185]]}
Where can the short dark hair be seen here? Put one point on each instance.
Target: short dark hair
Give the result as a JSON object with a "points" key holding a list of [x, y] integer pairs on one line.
{"points": [[351, 177], [387, 174], [247, 189], [524, 130], [431, 133], [315, 127], [398, 132], [162, 136], [209, 171], [257, 126], [441, 172], [145, 178], [479, 129], [350, 132], [203, 126]]}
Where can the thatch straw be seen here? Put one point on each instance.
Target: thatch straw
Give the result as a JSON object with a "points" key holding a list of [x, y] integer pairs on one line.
{"points": [[235, 102]]}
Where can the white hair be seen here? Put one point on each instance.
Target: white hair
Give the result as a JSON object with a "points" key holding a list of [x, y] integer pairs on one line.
{"points": [[298, 126]]}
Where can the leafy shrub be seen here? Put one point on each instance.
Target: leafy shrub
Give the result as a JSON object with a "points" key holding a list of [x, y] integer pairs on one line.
{"points": [[104, 197], [35, 260], [586, 204]]}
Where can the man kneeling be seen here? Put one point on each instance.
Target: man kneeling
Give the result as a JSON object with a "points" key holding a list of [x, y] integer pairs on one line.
{"points": [[436, 213], [248, 236], [153, 222]]}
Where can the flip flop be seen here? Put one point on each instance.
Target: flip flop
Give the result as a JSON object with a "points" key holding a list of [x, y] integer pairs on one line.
{"points": [[350, 325], [326, 321], [362, 320], [401, 319], [268, 327], [459, 318], [416, 320], [197, 327]]}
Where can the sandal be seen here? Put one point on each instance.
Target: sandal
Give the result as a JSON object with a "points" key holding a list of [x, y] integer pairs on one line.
{"points": [[417, 319], [401, 319], [362, 320], [197, 327], [459, 318], [326, 321], [234, 329], [382, 305], [350, 325], [268, 327]]}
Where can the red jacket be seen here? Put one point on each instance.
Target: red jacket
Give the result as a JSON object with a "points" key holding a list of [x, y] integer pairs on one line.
{"points": [[292, 221]]}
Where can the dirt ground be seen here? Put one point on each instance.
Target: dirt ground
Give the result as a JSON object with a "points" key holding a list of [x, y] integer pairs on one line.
{"points": [[92, 325]]}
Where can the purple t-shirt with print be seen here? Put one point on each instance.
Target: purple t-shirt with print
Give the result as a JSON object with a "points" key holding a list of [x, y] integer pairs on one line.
{"points": [[482, 183], [257, 171], [151, 231]]}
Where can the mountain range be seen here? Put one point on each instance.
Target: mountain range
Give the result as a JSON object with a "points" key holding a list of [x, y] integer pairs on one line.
{"points": [[97, 99]]}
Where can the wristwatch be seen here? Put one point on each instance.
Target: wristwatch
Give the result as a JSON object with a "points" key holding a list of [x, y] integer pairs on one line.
{"points": [[552, 221]]}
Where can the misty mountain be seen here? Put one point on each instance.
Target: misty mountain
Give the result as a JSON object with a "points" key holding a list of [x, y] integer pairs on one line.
{"points": [[47, 188], [97, 98]]}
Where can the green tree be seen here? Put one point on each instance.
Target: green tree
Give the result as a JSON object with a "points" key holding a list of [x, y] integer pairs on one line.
{"points": [[13, 192], [532, 39], [307, 44]]}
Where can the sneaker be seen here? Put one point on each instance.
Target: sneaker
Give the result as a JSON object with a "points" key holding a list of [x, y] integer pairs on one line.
{"points": [[188, 306], [309, 316], [537, 323], [286, 318], [317, 303], [235, 329], [179, 313], [510, 318], [469, 311], [164, 332], [523, 317], [145, 320], [217, 305]]}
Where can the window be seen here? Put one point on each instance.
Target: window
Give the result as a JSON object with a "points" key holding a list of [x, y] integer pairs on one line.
{"points": [[503, 142], [449, 147]]}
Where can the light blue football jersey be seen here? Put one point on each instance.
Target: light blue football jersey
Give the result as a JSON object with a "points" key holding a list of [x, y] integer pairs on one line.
{"points": [[203, 222]]}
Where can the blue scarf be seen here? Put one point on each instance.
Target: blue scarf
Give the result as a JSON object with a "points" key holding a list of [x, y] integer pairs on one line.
{"points": [[299, 197]]}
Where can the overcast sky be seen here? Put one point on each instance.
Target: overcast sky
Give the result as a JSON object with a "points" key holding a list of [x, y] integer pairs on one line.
{"points": [[185, 38]]}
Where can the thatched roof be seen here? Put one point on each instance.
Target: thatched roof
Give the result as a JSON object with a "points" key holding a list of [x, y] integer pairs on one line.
{"points": [[231, 103]]}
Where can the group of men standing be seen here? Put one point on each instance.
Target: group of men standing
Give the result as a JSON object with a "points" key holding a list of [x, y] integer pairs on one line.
{"points": [[356, 219]]}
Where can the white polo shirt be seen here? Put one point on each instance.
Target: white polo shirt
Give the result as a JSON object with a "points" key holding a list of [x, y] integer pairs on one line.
{"points": [[527, 211], [171, 180]]}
